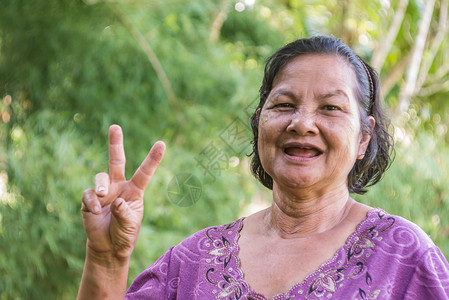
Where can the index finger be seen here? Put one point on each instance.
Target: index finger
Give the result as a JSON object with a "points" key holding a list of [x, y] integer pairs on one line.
{"points": [[116, 154], [143, 174]]}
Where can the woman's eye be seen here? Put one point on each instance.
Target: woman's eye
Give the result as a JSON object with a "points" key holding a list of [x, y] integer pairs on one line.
{"points": [[331, 107], [284, 105]]}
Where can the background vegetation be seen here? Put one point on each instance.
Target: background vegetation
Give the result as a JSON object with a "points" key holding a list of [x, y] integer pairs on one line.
{"points": [[188, 72]]}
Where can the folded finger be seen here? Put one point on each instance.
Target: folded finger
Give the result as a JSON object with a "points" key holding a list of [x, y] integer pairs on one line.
{"points": [[101, 184], [143, 175], [116, 154], [90, 202]]}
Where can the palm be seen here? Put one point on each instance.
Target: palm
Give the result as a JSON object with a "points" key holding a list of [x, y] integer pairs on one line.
{"points": [[111, 232]]}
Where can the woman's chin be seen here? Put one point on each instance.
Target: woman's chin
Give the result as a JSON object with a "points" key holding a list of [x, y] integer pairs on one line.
{"points": [[294, 181]]}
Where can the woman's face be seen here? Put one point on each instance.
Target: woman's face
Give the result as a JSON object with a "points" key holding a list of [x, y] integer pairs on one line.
{"points": [[309, 127]]}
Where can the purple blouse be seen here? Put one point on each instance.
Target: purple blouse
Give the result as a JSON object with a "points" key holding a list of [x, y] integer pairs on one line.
{"points": [[387, 257]]}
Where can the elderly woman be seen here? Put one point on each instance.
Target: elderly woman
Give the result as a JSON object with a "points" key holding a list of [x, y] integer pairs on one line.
{"points": [[319, 135]]}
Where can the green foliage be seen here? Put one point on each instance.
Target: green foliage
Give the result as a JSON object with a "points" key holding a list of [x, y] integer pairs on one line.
{"points": [[72, 68], [41, 228], [86, 73], [415, 187]]}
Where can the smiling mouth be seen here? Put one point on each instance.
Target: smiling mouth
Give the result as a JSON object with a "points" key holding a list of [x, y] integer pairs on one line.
{"points": [[307, 152]]}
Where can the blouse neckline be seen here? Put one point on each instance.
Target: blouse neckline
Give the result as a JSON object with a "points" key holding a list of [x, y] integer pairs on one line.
{"points": [[349, 241]]}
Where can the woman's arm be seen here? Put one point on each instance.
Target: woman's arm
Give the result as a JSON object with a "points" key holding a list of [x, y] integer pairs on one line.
{"points": [[103, 277], [112, 214]]}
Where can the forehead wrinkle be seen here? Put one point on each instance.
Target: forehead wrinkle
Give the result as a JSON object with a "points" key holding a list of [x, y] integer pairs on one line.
{"points": [[339, 83], [321, 96]]}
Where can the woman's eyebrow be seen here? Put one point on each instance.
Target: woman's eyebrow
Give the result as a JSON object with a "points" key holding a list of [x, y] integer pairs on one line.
{"points": [[291, 95], [333, 94], [286, 93]]}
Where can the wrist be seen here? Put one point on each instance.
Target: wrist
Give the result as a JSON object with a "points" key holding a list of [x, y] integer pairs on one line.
{"points": [[106, 259], [104, 276]]}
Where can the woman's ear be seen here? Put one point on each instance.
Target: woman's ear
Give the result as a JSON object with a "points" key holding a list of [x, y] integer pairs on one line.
{"points": [[366, 137]]}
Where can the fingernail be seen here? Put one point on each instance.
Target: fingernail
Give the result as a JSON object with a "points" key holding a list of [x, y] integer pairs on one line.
{"points": [[96, 210], [100, 189]]}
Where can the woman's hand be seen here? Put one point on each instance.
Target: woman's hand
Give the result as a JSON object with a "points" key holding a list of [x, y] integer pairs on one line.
{"points": [[113, 211]]}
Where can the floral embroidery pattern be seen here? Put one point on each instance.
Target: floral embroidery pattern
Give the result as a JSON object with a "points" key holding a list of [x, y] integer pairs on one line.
{"points": [[222, 270], [367, 295], [360, 246]]}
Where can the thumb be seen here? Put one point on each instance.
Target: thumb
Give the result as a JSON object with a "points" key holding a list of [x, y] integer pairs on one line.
{"points": [[120, 210]]}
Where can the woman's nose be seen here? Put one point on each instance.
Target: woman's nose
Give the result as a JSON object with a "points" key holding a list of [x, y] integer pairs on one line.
{"points": [[303, 123]]}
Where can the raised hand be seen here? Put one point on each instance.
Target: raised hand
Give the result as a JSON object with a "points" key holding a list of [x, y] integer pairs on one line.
{"points": [[113, 211]]}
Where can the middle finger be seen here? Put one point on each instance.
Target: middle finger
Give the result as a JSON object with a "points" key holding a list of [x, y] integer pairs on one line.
{"points": [[116, 154]]}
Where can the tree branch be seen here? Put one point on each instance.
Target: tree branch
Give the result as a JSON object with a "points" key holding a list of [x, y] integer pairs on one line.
{"points": [[440, 73], [216, 26], [384, 46], [218, 22], [152, 57], [436, 43], [395, 74], [434, 88], [408, 88]]}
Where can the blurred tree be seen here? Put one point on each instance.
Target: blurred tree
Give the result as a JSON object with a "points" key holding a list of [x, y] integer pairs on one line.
{"points": [[73, 69]]}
